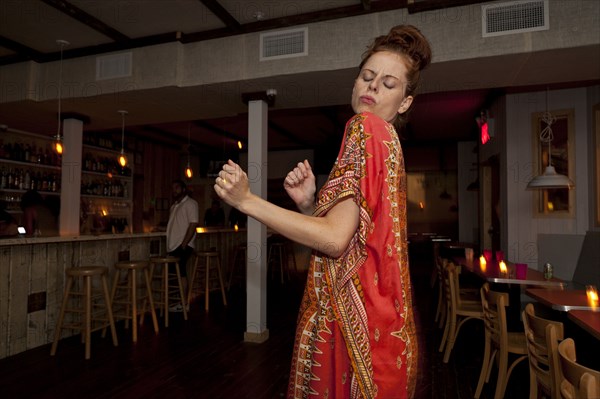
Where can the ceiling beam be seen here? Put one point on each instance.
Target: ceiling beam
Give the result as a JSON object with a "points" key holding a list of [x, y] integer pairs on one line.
{"points": [[86, 19], [218, 131], [300, 19], [20, 49], [429, 5], [216, 8]]}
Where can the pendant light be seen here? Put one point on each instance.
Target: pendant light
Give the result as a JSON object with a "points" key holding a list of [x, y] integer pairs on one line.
{"points": [[122, 157], [188, 170], [549, 179], [58, 145]]}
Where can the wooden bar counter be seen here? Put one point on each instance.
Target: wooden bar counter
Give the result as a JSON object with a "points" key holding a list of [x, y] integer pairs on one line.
{"points": [[32, 275]]}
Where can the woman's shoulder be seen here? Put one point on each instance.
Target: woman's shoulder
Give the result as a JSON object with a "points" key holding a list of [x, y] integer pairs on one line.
{"points": [[368, 119], [371, 124]]}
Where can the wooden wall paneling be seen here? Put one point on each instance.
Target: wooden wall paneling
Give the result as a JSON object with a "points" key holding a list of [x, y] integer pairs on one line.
{"points": [[19, 289], [36, 325], [54, 286]]}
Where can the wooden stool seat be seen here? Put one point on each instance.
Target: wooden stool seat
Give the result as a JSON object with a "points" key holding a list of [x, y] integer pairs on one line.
{"points": [[86, 306], [125, 295], [203, 261], [169, 290]]}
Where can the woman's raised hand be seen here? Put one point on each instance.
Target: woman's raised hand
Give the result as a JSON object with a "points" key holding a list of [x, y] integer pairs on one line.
{"points": [[300, 186], [232, 185]]}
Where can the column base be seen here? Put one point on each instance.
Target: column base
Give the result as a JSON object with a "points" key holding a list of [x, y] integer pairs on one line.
{"points": [[258, 338]]}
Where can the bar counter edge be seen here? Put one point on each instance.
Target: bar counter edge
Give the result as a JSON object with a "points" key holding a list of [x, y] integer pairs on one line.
{"points": [[32, 275]]}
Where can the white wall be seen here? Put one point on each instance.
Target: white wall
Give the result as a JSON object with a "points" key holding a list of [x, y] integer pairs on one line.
{"points": [[523, 227]]}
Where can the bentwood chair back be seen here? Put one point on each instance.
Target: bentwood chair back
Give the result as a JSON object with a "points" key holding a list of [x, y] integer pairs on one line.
{"points": [[498, 341], [578, 382], [458, 311], [542, 337], [440, 313]]}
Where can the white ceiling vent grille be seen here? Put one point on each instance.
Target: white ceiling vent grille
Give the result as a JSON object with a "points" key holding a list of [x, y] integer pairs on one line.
{"points": [[114, 66], [514, 17], [284, 44]]}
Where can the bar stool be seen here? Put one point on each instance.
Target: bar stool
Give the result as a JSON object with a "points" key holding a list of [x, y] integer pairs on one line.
{"points": [[125, 295], [86, 306], [203, 263], [278, 250], [238, 268], [169, 290]]}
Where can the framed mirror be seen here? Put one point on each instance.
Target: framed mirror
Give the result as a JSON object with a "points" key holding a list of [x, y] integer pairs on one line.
{"points": [[555, 202]]}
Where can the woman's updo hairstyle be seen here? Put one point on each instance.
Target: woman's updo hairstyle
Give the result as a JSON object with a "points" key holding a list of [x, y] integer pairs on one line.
{"points": [[409, 42]]}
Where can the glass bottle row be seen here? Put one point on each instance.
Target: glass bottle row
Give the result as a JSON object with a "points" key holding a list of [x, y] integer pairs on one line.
{"points": [[26, 152], [23, 179], [105, 188]]}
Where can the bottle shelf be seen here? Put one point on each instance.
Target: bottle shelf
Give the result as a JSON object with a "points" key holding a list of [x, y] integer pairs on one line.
{"points": [[29, 164]]}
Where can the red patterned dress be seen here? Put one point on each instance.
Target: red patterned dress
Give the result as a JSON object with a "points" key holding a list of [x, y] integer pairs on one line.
{"points": [[356, 334]]}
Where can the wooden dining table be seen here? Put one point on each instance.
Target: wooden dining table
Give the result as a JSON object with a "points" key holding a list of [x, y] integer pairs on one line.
{"points": [[574, 302], [491, 273]]}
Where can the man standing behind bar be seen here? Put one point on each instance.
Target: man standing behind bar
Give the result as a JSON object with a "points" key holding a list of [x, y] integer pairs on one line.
{"points": [[181, 231]]}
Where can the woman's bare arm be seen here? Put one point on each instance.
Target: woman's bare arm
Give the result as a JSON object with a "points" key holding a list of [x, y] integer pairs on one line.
{"points": [[329, 234]]}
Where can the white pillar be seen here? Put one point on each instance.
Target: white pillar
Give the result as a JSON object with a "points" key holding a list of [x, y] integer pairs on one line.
{"points": [[256, 262], [71, 177]]}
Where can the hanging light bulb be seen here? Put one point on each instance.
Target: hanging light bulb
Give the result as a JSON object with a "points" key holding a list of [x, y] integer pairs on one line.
{"points": [[188, 170], [122, 157], [549, 179], [58, 145]]}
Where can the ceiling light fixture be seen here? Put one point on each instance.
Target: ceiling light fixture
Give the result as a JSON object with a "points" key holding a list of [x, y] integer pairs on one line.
{"points": [[122, 157], [188, 170], [58, 145], [549, 179]]}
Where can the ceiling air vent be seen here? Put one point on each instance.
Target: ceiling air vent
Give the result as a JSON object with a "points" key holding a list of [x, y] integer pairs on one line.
{"points": [[514, 17], [284, 44], [113, 66]]}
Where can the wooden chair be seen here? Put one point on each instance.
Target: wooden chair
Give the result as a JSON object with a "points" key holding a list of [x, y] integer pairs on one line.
{"points": [[498, 341], [578, 382], [440, 313], [458, 310], [542, 337]]}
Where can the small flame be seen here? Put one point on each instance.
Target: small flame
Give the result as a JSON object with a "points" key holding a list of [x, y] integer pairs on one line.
{"points": [[421, 205], [188, 172], [235, 227], [122, 160], [503, 268], [239, 144], [482, 263], [592, 295]]}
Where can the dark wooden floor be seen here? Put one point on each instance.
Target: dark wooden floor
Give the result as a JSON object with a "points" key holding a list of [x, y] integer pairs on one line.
{"points": [[205, 357]]}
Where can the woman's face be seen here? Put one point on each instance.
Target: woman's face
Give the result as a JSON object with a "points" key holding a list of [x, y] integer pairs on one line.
{"points": [[380, 86]]}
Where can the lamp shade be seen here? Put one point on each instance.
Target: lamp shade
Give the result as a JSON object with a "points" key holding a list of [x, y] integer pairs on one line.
{"points": [[550, 179]]}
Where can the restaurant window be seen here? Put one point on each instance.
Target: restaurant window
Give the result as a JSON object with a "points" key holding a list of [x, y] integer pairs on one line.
{"points": [[555, 202]]}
